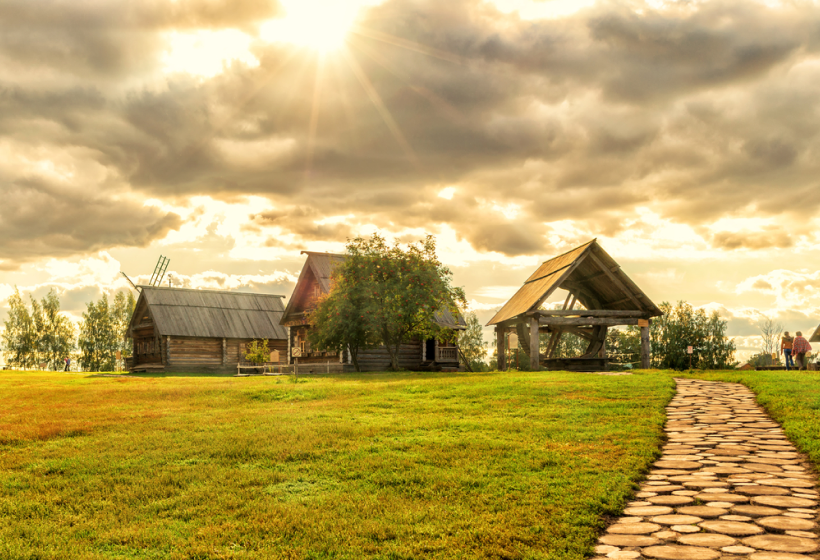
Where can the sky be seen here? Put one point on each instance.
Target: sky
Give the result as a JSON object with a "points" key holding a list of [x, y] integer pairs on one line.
{"points": [[230, 135]]}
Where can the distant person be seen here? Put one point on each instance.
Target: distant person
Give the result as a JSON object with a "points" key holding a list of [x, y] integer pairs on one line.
{"points": [[67, 364], [786, 344], [799, 348]]}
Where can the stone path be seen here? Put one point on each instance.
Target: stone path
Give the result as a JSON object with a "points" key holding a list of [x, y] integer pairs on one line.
{"points": [[728, 486]]}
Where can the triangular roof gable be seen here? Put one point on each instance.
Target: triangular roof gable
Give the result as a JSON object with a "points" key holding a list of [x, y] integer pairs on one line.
{"points": [[590, 273], [318, 267], [816, 336]]}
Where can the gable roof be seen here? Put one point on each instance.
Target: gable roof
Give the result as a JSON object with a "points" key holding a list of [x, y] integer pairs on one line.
{"points": [[590, 274], [320, 266], [212, 313], [816, 336]]}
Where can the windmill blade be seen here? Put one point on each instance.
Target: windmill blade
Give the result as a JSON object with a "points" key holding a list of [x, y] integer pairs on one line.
{"points": [[130, 282], [159, 271]]}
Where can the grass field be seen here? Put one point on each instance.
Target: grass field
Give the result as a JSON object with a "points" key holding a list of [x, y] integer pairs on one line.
{"points": [[792, 398], [387, 466]]}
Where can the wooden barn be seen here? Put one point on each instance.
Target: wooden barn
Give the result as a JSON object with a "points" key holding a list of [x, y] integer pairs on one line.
{"points": [[202, 331], [607, 298], [314, 280]]}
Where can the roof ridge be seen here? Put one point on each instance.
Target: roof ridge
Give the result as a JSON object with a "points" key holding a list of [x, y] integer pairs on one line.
{"points": [[311, 253], [571, 250], [230, 292]]}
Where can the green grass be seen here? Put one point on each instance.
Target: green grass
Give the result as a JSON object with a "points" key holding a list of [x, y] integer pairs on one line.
{"points": [[791, 398], [381, 466]]}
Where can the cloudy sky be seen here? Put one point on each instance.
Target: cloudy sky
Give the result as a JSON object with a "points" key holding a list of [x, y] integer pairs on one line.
{"points": [[230, 135]]}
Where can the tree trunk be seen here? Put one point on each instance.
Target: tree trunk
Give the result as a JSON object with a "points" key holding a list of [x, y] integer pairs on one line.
{"points": [[354, 357]]}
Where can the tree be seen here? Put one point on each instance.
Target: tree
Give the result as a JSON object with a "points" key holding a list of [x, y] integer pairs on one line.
{"points": [[98, 338], [682, 326], [402, 292], [472, 346], [19, 337], [770, 332], [338, 320], [37, 336], [121, 313], [55, 333]]}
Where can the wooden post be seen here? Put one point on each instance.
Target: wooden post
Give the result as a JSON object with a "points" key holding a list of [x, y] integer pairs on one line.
{"points": [[535, 351], [499, 334], [645, 349]]}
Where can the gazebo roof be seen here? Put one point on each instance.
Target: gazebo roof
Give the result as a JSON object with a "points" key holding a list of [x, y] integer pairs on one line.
{"points": [[816, 336], [590, 274]]}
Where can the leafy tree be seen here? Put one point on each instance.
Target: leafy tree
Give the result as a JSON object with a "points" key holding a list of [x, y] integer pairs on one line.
{"points": [[402, 291], [39, 335], [98, 337], [682, 326], [338, 320], [623, 346], [121, 313], [55, 333], [19, 337], [257, 352], [471, 344]]}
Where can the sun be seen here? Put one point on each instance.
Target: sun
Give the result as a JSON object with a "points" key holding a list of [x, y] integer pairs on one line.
{"points": [[321, 25]]}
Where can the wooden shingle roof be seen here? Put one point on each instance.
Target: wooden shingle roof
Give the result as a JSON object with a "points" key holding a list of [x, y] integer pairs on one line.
{"points": [[816, 336], [590, 274], [214, 313]]}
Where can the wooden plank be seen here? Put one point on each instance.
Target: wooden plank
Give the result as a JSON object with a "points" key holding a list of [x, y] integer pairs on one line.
{"points": [[645, 348], [615, 280], [588, 313], [588, 321], [535, 350], [500, 361]]}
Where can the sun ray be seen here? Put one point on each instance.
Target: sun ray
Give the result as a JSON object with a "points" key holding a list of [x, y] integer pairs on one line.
{"points": [[436, 101], [314, 113], [376, 99], [406, 44]]}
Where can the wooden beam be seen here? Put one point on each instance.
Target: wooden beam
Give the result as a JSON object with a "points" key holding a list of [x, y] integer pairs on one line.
{"points": [[535, 350], [499, 333], [615, 280], [645, 348], [588, 321], [589, 313]]}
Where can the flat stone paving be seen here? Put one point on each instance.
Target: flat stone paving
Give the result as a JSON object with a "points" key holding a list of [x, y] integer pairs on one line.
{"points": [[728, 486]]}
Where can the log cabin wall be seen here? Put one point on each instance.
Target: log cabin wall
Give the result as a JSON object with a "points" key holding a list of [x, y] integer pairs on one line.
{"points": [[202, 331]]}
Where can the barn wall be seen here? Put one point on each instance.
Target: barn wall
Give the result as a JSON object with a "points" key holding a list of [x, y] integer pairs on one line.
{"points": [[378, 359], [195, 351]]}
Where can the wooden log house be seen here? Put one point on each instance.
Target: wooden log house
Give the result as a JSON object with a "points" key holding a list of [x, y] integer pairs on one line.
{"points": [[202, 331], [595, 281], [314, 281]]}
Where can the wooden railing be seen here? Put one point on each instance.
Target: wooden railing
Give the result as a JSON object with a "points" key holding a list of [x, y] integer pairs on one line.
{"points": [[447, 354]]}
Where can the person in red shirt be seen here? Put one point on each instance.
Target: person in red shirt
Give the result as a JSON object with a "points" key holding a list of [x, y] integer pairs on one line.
{"points": [[800, 347]]}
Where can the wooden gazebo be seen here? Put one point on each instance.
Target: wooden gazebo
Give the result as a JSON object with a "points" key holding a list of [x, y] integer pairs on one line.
{"points": [[816, 336], [595, 281]]}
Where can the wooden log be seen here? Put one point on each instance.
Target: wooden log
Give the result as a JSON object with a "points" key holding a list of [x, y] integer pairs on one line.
{"points": [[645, 348], [615, 280], [535, 350], [588, 321], [499, 334], [588, 313]]}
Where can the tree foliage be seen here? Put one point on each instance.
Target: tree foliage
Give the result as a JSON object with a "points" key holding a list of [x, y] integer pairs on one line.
{"points": [[682, 326], [98, 337], [471, 344], [257, 352], [39, 335], [395, 295], [121, 313]]}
